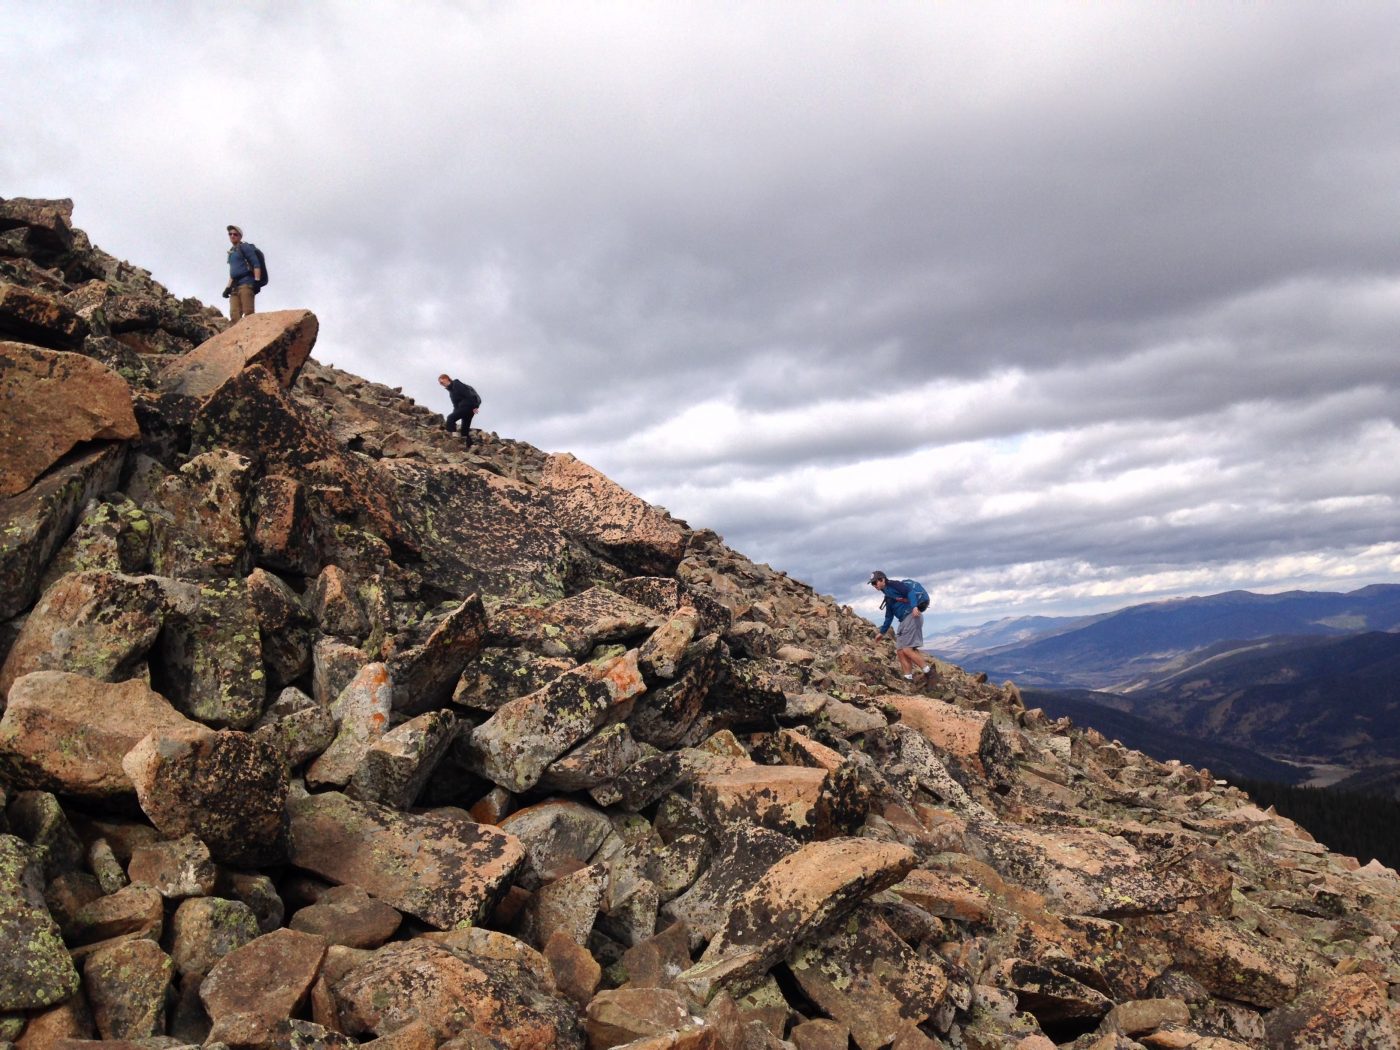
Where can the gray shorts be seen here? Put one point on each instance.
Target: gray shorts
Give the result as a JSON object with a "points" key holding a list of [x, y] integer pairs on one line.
{"points": [[910, 633]]}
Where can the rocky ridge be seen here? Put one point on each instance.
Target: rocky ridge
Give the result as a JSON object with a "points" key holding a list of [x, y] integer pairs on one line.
{"points": [[319, 731]]}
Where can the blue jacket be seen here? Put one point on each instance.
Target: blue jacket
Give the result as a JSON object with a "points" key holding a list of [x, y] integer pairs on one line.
{"points": [[242, 257], [898, 602]]}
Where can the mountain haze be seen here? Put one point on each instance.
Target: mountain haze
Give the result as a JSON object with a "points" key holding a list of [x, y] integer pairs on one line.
{"points": [[1142, 644]]}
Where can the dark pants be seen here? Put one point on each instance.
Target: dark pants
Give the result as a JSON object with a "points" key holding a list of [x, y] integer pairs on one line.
{"points": [[465, 415]]}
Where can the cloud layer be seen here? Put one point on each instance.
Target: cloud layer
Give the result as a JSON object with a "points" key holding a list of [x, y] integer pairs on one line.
{"points": [[1055, 306]]}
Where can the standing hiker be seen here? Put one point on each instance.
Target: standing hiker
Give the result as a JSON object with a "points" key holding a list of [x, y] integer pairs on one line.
{"points": [[245, 275], [465, 402], [905, 601]]}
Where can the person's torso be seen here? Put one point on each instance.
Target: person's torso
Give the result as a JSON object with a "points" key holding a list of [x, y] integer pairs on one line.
{"points": [[461, 394], [897, 599], [241, 259]]}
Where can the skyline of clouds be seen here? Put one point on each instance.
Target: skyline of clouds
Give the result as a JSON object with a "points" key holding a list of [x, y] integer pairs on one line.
{"points": [[1056, 307]]}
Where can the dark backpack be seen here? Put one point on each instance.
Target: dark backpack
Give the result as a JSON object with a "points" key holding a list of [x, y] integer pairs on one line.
{"points": [[260, 265], [917, 594]]}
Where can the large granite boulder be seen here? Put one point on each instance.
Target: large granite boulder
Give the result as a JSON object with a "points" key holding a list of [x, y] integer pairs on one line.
{"points": [[210, 661], [35, 969], [517, 744], [54, 401], [126, 984], [432, 985], [438, 865], [644, 540], [67, 733], [33, 316], [200, 518], [98, 624], [35, 523], [268, 978], [797, 898], [424, 675], [361, 711], [228, 788], [279, 341]]}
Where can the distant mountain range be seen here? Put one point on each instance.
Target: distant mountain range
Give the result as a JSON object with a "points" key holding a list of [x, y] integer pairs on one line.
{"points": [[1285, 709], [1136, 647], [1295, 687]]}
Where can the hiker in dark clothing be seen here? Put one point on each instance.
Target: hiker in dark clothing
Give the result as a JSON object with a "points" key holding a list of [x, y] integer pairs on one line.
{"points": [[905, 601], [465, 402]]}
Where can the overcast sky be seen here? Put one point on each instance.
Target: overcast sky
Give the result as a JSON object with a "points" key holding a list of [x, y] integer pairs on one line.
{"points": [[1057, 307]]}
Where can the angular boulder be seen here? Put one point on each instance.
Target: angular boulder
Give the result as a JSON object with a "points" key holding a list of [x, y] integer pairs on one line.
{"points": [[516, 744], [279, 341], [349, 916], [210, 662], [36, 970], [644, 540], [175, 868], [795, 899], [205, 929], [284, 626], [200, 518], [67, 733], [228, 788], [34, 524], [282, 535], [361, 710], [32, 316], [439, 865], [54, 402], [426, 983], [1351, 1011], [268, 977], [397, 765], [98, 624], [126, 984], [559, 837], [424, 675]]}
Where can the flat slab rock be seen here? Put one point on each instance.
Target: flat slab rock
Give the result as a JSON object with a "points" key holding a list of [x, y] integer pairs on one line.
{"points": [[429, 984], [280, 341], [439, 866], [795, 899]]}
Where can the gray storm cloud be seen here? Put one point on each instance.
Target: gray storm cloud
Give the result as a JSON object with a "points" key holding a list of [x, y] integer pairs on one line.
{"points": [[1050, 304]]}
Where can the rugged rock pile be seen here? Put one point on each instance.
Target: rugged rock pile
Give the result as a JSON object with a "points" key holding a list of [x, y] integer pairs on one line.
{"points": [[321, 731]]}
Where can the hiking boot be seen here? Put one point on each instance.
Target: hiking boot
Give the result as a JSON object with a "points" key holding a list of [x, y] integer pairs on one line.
{"points": [[930, 677]]}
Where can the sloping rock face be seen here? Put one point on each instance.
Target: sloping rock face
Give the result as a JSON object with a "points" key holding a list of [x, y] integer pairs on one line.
{"points": [[321, 730]]}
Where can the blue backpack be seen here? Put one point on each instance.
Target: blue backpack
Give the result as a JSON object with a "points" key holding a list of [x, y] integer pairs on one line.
{"points": [[917, 594]]}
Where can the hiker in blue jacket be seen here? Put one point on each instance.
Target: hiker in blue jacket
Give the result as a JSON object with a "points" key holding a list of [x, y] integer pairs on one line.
{"points": [[905, 601], [244, 275]]}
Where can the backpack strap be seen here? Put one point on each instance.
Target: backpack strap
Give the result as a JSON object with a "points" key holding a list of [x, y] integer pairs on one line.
{"points": [[252, 263]]}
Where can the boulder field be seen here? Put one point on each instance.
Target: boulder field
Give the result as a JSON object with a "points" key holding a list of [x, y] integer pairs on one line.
{"points": [[321, 731]]}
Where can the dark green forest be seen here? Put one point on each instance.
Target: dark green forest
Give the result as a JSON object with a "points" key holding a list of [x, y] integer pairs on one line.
{"points": [[1361, 826]]}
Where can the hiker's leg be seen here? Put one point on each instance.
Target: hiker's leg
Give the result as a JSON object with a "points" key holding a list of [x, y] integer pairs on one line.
{"points": [[467, 428], [241, 301]]}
